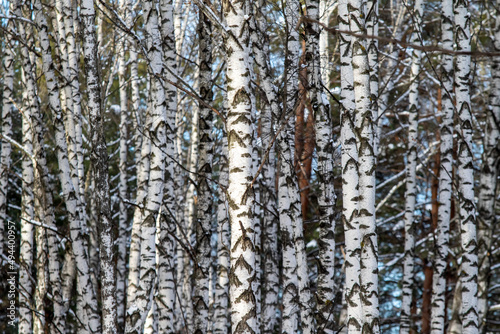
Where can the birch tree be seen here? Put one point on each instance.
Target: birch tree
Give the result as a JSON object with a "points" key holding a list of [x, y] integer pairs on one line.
{"points": [[221, 304], [240, 195], [157, 130], [324, 151], [445, 174], [165, 298], [270, 113], [411, 177], [204, 207], [216, 108], [121, 240], [5, 159], [288, 193], [488, 185], [365, 127], [350, 180], [467, 212], [99, 159]]}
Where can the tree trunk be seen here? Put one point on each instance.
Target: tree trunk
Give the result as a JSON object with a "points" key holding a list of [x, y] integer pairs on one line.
{"points": [[26, 321], [488, 184], [157, 130], [221, 304], [438, 303], [240, 196], [122, 237], [326, 197], [467, 212], [365, 127], [99, 159], [350, 180], [269, 254], [411, 177], [204, 207], [7, 108], [165, 298]]}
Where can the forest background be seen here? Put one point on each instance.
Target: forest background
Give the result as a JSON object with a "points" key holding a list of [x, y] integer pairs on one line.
{"points": [[313, 166]]}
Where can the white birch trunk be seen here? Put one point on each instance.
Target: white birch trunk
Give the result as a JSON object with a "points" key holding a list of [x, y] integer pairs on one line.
{"points": [[488, 184], [26, 318], [438, 300], [99, 160], [350, 180], [365, 128], [411, 177], [121, 263], [47, 252], [61, 302], [373, 61], [326, 197], [73, 190], [5, 159], [221, 304], [73, 60], [68, 94], [137, 312], [180, 175], [85, 290], [45, 197], [240, 196], [166, 249], [204, 205], [189, 225], [326, 8], [465, 172], [143, 167], [270, 222], [188, 234]]}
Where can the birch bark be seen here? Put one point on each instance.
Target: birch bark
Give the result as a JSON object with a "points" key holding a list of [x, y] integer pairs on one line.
{"points": [[488, 184], [240, 196], [143, 168], [45, 196], [165, 298], [324, 150], [47, 262], [467, 212], [289, 190], [7, 108], [189, 222], [438, 300], [365, 127], [221, 304], [29, 298], [269, 255], [99, 159], [72, 200], [73, 59], [137, 312], [122, 237], [411, 177], [373, 62], [350, 179], [26, 321], [204, 207], [326, 8]]}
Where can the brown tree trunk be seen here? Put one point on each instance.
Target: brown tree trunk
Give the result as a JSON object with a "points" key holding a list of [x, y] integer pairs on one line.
{"points": [[426, 297], [304, 138]]}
